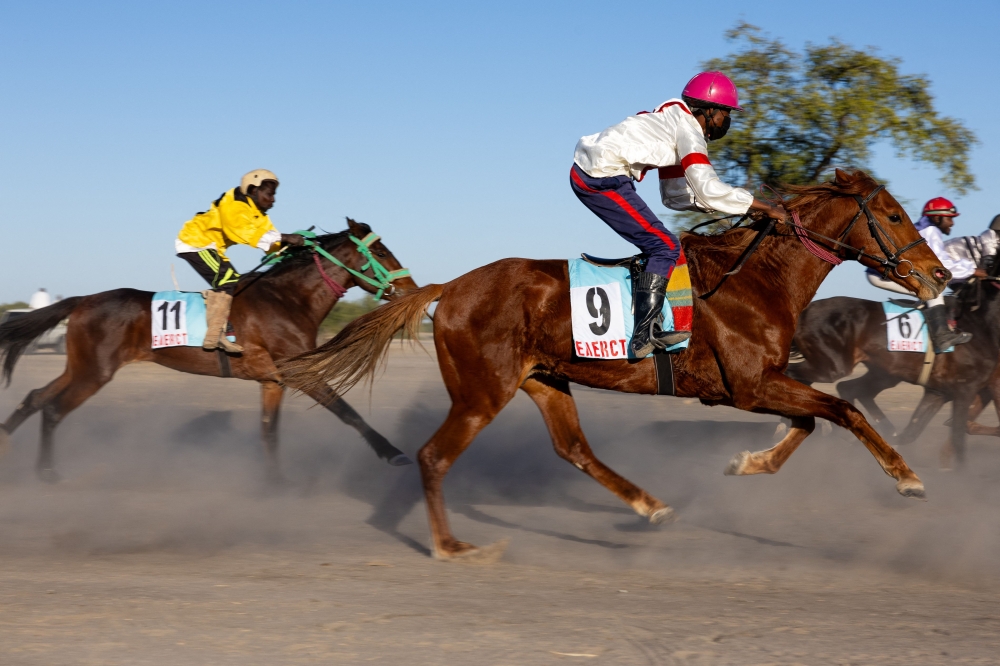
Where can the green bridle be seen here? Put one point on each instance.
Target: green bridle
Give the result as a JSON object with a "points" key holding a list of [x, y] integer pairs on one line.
{"points": [[381, 279]]}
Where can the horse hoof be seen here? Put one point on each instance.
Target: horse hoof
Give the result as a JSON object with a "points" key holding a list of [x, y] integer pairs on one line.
{"points": [[400, 460], [486, 555], [48, 475], [736, 465], [662, 516], [914, 489]]}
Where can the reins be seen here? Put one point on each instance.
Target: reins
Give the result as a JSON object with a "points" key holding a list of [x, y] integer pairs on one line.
{"points": [[382, 279], [890, 261]]}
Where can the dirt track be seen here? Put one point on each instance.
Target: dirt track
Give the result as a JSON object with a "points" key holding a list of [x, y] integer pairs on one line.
{"points": [[161, 545]]}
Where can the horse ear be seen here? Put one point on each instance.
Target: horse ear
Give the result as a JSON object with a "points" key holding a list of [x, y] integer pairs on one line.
{"points": [[353, 226], [842, 177]]}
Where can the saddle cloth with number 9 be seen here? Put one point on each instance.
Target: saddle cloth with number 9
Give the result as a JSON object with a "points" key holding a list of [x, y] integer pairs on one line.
{"points": [[601, 305], [178, 319]]}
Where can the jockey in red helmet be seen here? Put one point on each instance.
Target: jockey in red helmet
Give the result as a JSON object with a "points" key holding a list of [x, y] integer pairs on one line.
{"points": [[672, 139], [937, 219]]}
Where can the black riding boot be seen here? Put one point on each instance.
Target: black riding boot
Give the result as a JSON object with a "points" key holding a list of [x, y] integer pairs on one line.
{"points": [[942, 335], [647, 304]]}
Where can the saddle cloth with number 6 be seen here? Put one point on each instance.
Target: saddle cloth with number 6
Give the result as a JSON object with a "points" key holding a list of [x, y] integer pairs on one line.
{"points": [[601, 306], [179, 319], [905, 329]]}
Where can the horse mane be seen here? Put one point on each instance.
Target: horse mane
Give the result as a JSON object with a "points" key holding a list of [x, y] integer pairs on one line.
{"points": [[712, 255], [297, 257]]}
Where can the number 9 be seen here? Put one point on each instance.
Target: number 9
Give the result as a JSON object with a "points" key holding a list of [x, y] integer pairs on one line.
{"points": [[601, 312]]}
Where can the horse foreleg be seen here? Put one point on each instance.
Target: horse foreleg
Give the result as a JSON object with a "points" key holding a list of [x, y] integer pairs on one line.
{"points": [[959, 417], [929, 405], [771, 460], [979, 403], [559, 411], [785, 396], [383, 449], [271, 395]]}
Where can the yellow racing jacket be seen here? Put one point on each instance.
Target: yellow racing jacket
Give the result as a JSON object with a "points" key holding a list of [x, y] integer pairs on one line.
{"points": [[234, 219]]}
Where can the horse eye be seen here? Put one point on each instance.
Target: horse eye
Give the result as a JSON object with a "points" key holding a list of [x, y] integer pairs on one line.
{"points": [[895, 219], [380, 254]]}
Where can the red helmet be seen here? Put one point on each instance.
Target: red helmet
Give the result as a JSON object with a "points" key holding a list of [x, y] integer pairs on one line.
{"points": [[940, 206]]}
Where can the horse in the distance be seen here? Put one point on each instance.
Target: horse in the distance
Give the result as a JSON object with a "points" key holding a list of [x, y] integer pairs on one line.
{"points": [[276, 315], [506, 326], [835, 334]]}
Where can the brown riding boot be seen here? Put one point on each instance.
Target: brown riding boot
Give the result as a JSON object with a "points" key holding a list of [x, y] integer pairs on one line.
{"points": [[217, 305]]}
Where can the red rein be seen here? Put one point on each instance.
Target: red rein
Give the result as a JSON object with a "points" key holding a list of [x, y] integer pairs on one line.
{"points": [[337, 290], [813, 248]]}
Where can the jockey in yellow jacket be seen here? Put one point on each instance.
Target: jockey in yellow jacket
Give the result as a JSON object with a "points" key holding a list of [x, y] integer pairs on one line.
{"points": [[238, 217]]}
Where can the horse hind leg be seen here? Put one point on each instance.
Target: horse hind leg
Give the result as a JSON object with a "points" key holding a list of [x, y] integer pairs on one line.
{"points": [[929, 405], [53, 412], [559, 411], [436, 457], [34, 401]]}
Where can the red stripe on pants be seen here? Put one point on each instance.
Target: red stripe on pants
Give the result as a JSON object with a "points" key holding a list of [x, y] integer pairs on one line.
{"points": [[627, 207]]}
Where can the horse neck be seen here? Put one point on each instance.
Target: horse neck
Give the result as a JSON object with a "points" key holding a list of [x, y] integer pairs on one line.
{"points": [[305, 289], [793, 274]]}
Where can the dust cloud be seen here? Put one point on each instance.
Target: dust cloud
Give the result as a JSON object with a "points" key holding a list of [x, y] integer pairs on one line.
{"points": [[167, 463]]}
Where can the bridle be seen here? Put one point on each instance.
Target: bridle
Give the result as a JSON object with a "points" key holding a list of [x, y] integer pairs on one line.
{"points": [[890, 261]]}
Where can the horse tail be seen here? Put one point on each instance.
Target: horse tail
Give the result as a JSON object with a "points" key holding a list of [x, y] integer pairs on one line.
{"points": [[17, 334], [359, 350]]}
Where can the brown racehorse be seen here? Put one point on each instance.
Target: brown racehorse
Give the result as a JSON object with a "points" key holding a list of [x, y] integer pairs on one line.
{"points": [[507, 326], [835, 334], [276, 315]]}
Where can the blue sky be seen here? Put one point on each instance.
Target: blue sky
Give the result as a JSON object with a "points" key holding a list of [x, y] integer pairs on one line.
{"points": [[449, 127]]}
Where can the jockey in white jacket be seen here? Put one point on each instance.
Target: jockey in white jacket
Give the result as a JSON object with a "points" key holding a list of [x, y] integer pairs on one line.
{"points": [[937, 220], [674, 140]]}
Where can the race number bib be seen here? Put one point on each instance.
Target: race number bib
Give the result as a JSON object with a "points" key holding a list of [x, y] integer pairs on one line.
{"points": [[169, 324], [598, 321], [906, 331]]}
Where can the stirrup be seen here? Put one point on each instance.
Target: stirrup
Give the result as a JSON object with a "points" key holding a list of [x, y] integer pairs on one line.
{"points": [[229, 347], [950, 339], [664, 339]]}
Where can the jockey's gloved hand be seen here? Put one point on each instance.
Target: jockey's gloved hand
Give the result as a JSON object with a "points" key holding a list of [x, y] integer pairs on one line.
{"points": [[773, 211], [293, 239]]}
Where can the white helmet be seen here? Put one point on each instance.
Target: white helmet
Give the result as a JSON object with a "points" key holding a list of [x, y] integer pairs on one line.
{"points": [[256, 177]]}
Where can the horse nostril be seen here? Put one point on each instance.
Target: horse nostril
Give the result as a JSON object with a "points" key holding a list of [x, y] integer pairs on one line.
{"points": [[940, 273]]}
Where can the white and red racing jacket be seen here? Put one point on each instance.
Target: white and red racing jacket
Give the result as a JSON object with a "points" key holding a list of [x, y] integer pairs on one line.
{"points": [[668, 139]]}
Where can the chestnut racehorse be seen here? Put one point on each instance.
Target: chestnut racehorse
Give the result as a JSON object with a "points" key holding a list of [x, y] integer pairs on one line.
{"points": [[276, 315], [507, 326]]}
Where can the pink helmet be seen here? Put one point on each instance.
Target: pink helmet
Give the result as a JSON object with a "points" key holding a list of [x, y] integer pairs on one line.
{"points": [[714, 88]]}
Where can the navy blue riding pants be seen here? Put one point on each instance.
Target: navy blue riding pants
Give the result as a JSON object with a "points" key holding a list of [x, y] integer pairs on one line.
{"points": [[615, 201]]}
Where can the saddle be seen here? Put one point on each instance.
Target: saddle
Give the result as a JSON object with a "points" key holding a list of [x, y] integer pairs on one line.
{"points": [[635, 264]]}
